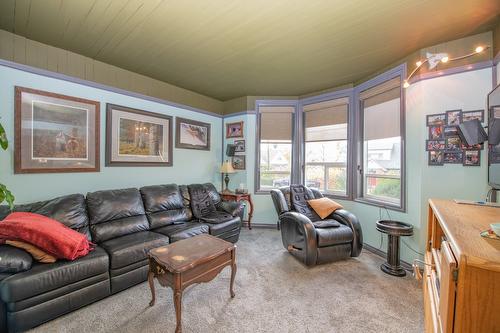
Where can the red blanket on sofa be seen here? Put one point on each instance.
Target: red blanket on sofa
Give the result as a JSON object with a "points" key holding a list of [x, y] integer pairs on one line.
{"points": [[49, 235]]}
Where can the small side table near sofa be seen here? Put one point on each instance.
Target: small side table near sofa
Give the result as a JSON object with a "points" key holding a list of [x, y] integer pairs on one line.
{"points": [[230, 196]]}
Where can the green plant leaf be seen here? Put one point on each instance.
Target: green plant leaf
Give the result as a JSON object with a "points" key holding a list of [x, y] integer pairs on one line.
{"points": [[4, 143], [6, 195]]}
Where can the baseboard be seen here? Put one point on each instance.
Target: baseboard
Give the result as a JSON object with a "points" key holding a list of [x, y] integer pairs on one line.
{"points": [[406, 266]]}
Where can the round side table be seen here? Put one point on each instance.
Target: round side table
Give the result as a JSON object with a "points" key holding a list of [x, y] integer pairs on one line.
{"points": [[394, 230]]}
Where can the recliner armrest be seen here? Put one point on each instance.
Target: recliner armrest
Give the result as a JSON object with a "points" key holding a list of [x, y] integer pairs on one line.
{"points": [[298, 230], [231, 207], [347, 218]]}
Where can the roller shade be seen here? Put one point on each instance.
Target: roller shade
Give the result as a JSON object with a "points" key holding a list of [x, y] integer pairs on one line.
{"points": [[326, 121], [276, 123]]}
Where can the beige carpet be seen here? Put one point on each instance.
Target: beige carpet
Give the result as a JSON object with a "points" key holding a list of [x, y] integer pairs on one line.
{"points": [[274, 293]]}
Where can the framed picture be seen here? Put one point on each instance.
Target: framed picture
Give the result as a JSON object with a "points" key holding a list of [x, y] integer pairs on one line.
{"points": [[192, 134], [450, 131], [435, 145], [471, 115], [453, 117], [240, 146], [137, 138], [436, 119], [495, 111], [472, 158], [435, 157], [55, 133], [478, 146], [435, 132], [454, 157], [453, 143], [239, 162], [234, 130]]}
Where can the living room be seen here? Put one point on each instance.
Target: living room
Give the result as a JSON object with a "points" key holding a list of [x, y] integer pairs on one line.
{"points": [[231, 166]]}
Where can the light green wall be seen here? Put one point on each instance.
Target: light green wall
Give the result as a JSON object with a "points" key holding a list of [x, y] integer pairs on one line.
{"points": [[465, 91], [189, 166]]}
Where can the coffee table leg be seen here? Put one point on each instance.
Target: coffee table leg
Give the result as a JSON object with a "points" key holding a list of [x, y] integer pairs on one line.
{"points": [[233, 273], [151, 281], [178, 309]]}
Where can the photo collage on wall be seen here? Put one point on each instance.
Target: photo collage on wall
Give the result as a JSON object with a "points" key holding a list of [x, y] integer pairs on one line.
{"points": [[494, 150], [444, 145], [235, 131]]}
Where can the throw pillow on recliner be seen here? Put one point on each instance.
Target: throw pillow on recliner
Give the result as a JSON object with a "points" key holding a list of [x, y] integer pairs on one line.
{"points": [[324, 206]]}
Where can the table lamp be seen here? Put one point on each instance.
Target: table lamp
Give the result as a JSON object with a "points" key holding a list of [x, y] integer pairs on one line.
{"points": [[226, 168]]}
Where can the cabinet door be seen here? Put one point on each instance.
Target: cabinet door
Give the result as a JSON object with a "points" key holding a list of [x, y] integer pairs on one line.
{"points": [[447, 289]]}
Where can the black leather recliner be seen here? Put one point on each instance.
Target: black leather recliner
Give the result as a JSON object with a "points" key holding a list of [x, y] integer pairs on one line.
{"points": [[307, 237]]}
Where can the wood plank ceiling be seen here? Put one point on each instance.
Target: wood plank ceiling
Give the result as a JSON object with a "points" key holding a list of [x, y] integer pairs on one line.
{"points": [[226, 48]]}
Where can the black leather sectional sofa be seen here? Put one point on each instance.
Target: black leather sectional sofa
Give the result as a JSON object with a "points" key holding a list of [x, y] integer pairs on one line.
{"points": [[125, 224]]}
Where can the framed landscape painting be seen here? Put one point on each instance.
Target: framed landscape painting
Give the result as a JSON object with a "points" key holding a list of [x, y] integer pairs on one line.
{"points": [[191, 134], [137, 138], [55, 133]]}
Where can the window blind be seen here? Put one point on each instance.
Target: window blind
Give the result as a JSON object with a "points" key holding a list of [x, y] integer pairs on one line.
{"points": [[326, 121], [276, 123]]}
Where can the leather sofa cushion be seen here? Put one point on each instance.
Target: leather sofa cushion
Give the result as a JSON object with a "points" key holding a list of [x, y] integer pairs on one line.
{"points": [[201, 201], [299, 196], [214, 194], [334, 236], [14, 260], [42, 278], [116, 213], [164, 205], [70, 210], [129, 249], [177, 232], [217, 229], [217, 217], [326, 224]]}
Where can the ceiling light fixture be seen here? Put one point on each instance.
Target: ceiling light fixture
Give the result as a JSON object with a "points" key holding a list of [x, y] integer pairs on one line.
{"points": [[434, 59]]}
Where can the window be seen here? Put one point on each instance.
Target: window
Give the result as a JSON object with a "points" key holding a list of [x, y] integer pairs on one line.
{"points": [[275, 146], [381, 114], [326, 146]]}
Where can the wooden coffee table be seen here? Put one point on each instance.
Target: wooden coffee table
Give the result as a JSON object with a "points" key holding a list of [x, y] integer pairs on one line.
{"points": [[193, 260]]}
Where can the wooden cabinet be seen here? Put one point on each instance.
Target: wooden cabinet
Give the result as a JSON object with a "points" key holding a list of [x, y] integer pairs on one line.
{"points": [[462, 271]]}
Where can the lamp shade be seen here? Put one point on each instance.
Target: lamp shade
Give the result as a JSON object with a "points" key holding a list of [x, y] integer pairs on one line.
{"points": [[227, 167]]}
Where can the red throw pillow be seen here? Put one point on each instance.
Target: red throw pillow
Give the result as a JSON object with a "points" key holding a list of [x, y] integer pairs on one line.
{"points": [[45, 233]]}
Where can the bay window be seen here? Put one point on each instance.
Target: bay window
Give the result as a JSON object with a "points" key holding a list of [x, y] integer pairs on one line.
{"points": [[381, 144], [326, 146], [275, 146]]}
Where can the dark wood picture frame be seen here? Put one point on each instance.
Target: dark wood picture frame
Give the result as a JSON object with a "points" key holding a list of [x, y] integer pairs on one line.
{"points": [[429, 159], [240, 146], [179, 144], [441, 116], [243, 159], [467, 152], [466, 113], [228, 130], [448, 112], [18, 146], [109, 138]]}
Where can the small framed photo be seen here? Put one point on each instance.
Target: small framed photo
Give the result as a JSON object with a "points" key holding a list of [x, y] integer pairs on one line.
{"points": [[436, 119], [471, 115], [450, 131], [234, 130], [240, 146], [432, 145], [453, 143], [472, 158], [55, 133], [239, 162], [137, 137], [478, 146], [192, 134], [495, 111], [435, 158], [453, 157], [436, 132], [453, 117]]}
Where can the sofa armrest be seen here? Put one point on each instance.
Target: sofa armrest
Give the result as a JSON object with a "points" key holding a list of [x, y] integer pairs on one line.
{"points": [[347, 218], [299, 236], [234, 208]]}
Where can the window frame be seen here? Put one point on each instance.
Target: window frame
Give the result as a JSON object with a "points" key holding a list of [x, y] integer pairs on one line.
{"points": [[358, 172], [274, 103], [344, 93]]}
